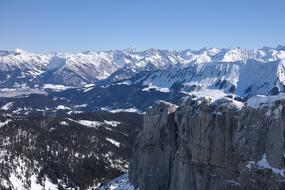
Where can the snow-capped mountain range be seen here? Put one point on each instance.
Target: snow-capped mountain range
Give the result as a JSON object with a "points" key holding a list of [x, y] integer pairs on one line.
{"points": [[128, 79], [20, 67], [74, 69]]}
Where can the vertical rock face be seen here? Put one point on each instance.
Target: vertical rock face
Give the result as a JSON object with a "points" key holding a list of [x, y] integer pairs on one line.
{"points": [[202, 145], [154, 148]]}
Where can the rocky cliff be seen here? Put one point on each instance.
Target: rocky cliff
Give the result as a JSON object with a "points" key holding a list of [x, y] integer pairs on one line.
{"points": [[204, 145]]}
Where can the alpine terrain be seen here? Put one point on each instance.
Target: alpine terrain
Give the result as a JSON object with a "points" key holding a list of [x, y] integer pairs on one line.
{"points": [[151, 120]]}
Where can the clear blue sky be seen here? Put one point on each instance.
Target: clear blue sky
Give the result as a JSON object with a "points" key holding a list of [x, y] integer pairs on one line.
{"points": [[69, 25]]}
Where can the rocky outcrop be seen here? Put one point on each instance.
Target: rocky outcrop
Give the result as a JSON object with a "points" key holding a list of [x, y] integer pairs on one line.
{"points": [[202, 145]]}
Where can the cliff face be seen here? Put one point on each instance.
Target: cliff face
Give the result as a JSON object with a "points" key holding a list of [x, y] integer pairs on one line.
{"points": [[202, 145]]}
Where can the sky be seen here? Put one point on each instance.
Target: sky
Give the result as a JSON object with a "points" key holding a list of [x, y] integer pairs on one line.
{"points": [[81, 25]]}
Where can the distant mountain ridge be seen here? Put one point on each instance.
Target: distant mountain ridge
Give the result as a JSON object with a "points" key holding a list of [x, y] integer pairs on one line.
{"points": [[20, 67]]}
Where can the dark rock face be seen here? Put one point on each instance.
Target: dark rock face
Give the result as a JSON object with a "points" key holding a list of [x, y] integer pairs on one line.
{"points": [[202, 146]]}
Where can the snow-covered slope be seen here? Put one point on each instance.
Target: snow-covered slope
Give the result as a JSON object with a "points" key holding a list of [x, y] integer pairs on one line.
{"points": [[20, 67], [243, 78], [265, 54]]}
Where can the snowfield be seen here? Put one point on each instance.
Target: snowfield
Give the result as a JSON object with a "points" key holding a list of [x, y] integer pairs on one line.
{"points": [[56, 87]]}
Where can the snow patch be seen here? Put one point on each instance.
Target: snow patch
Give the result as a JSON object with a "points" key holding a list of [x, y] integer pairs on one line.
{"points": [[212, 94], [62, 107], [81, 106], [89, 123], [89, 85], [132, 110], [49, 185], [16, 182], [18, 91], [7, 106], [116, 143], [124, 83], [120, 183], [264, 164], [34, 183], [56, 62], [56, 87], [64, 123], [261, 100], [5, 122], [160, 89], [112, 123]]}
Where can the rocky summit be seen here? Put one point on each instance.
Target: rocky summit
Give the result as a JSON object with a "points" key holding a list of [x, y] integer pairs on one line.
{"points": [[203, 145]]}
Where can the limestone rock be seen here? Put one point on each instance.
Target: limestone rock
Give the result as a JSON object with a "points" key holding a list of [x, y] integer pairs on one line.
{"points": [[204, 145]]}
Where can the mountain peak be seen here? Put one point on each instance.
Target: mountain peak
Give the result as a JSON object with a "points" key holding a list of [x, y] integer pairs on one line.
{"points": [[131, 49], [20, 51]]}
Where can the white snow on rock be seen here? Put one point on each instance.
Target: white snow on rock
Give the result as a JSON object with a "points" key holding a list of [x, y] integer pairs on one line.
{"points": [[160, 89], [116, 143], [274, 112], [7, 106], [112, 123], [16, 182], [19, 91], [5, 122], [56, 87], [18, 179], [73, 112], [64, 123], [264, 164], [214, 95], [262, 100], [124, 83], [49, 185], [62, 107], [56, 62], [89, 123], [134, 110], [81, 106], [120, 183], [34, 183], [89, 85]]}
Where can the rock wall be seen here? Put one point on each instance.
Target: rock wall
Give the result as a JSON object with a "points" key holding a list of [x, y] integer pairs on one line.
{"points": [[210, 146]]}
